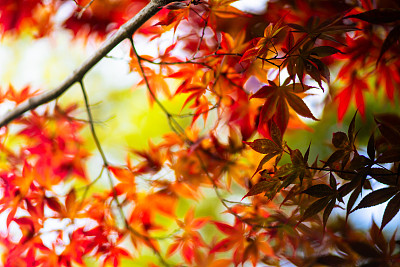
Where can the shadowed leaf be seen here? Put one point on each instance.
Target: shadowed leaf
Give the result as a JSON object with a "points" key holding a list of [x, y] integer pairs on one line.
{"points": [[364, 249], [319, 190], [315, 207], [378, 16], [376, 197], [391, 39], [328, 211], [391, 210]]}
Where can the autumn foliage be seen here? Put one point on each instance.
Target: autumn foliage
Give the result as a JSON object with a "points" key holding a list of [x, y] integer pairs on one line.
{"points": [[244, 78]]}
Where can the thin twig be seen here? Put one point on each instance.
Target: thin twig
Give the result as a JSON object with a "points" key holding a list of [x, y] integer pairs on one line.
{"points": [[115, 195], [125, 31]]}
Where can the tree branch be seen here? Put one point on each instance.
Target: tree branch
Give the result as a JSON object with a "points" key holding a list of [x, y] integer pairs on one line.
{"points": [[125, 31]]}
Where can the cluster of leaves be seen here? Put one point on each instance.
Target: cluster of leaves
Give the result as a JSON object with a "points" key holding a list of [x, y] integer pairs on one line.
{"points": [[224, 69]]}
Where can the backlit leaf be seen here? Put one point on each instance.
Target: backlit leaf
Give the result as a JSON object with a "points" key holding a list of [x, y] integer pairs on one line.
{"points": [[263, 146], [298, 105], [261, 187], [264, 160]]}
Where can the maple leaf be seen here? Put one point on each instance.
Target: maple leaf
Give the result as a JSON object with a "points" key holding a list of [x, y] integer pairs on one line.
{"points": [[13, 13], [190, 240], [278, 100], [127, 183], [250, 248], [19, 96], [355, 86], [262, 46]]}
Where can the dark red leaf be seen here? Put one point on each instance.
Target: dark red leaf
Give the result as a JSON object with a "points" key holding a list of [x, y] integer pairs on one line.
{"points": [[378, 16], [340, 140], [391, 39], [331, 260], [264, 160], [276, 134], [328, 211], [315, 207], [384, 176], [324, 51], [54, 204], [371, 147], [336, 156], [376, 197], [352, 199], [364, 249], [319, 190], [391, 155], [258, 188], [351, 129], [298, 105], [391, 210], [263, 146]]}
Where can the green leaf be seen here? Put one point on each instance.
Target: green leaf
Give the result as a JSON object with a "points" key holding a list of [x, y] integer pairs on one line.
{"points": [[391, 210], [289, 180], [376, 197], [263, 146], [319, 190], [297, 158], [284, 170]]}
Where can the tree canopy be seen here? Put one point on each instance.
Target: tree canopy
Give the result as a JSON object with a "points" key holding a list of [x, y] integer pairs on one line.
{"points": [[281, 125]]}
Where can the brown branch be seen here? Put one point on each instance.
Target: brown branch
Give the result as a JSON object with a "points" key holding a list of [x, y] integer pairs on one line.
{"points": [[125, 31]]}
